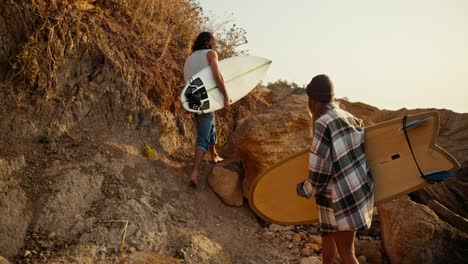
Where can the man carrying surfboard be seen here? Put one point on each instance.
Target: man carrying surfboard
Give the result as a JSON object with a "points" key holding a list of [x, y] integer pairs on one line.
{"points": [[339, 175], [204, 55]]}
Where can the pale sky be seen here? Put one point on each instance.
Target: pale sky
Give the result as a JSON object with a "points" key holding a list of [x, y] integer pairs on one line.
{"points": [[389, 54]]}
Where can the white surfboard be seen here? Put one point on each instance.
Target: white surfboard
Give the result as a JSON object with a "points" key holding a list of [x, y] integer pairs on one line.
{"points": [[241, 74]]}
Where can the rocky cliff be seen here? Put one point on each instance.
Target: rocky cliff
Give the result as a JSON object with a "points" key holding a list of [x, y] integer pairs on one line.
{"points": [[95, 148]]}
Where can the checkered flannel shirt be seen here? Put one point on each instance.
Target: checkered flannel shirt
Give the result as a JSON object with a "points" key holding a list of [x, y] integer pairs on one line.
{"points": [[339, 176]]}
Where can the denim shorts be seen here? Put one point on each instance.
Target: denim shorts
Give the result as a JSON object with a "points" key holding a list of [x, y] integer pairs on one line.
{"points": [[206, 131]]}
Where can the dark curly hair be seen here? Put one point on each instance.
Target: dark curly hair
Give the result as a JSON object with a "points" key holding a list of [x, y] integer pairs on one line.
{"points": [[205, 40]]}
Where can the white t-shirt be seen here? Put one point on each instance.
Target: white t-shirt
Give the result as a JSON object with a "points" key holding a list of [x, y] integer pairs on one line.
{"points": [[195, 63]]}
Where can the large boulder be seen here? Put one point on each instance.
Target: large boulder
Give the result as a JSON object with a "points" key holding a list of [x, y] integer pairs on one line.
{"points": [[412, 233], [267, 138], [4, 260], [226, 183], [373, 250]]}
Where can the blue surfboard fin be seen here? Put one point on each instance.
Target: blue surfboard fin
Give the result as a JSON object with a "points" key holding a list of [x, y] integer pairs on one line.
{"points": [[438, 176], [414, 123]]}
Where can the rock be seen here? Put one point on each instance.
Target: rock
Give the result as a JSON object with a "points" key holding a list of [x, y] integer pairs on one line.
{"points": [[148, 257], [295, 251], [296, 239], [412, 233], [311, 260], [305, 252], [451, 193], [132, 250], [52, 235], [140, 247], [204, 250], [269, 234], [452, 218], [27, 253], [315, 240], [4, 260], [373, 250], [262, 141], [226, 183], [103, 249], [362, 259], [276, 228], [313, 230], [312, 246], [303, 235]]}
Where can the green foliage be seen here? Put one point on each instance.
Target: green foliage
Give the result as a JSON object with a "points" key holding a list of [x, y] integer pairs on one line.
{"points": [[221, 138], [148, 151], [43, 138], [130, 118]]}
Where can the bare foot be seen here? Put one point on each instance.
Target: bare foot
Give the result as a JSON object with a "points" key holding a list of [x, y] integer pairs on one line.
{"points": [[193, 181], [216, 159], [193, 184]]}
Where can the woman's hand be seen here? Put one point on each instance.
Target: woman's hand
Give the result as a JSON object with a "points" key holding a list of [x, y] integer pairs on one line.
{"points": [[304, 189], [227, 101]]}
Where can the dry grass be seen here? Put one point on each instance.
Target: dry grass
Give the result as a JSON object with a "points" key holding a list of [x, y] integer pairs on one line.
{"points": [[146, 41]]}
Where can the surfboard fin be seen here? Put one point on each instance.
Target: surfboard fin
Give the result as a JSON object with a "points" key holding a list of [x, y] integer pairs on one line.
{"points": [[414, 123], [438, 176], [405, 131]]}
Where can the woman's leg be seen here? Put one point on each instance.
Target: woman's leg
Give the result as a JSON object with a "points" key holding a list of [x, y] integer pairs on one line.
{"points": [[214, 154], [204, 124], [213, 139], [199, 154], [345, 244], [328, 249]]}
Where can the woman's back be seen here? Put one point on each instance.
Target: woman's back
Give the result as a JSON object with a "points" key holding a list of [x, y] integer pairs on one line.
{"points": [[195, 63]]}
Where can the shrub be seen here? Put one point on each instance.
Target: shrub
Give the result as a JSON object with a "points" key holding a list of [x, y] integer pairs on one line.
{"points": [[43, 138], [148, 151]]}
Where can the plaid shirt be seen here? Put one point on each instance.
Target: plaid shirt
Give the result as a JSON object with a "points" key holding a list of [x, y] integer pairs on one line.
{"points": [[339, 176]]}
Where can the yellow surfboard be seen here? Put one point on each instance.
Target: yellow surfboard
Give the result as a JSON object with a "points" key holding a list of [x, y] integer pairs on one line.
{"points": [[393, 165]]}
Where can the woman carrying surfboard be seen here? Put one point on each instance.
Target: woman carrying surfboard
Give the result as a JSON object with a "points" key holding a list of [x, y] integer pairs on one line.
{"points": [[204, 55], [339, 176]]}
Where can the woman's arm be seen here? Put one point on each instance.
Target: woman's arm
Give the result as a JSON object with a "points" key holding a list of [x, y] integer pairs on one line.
{"points": [[213, 61], [320, 165]]}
